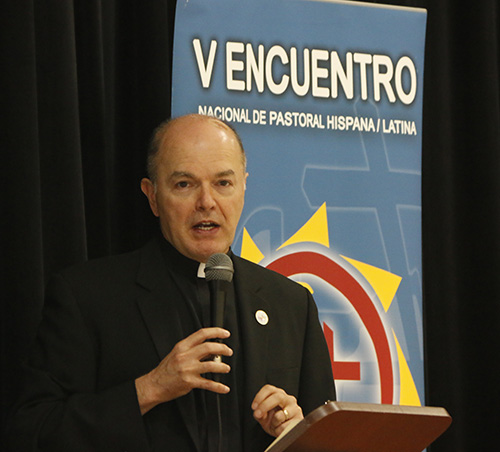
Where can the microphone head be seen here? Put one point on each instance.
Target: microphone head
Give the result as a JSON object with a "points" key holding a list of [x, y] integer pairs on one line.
{"points": [[219, 267]]}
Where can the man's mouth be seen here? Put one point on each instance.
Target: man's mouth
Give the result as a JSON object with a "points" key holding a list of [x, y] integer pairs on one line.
{"points": [[206, 225]]}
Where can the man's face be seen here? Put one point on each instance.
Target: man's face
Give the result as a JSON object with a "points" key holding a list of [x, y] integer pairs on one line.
{"points": [[200, 187]]}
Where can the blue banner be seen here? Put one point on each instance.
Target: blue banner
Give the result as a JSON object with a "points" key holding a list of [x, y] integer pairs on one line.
{"points": [[327, 97]]}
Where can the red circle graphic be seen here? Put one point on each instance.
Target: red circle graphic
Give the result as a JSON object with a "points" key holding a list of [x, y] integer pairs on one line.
{"points": [[338, 277]]}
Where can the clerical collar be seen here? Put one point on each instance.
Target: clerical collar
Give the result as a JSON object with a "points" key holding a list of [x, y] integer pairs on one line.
{"points": [[201, 270]]}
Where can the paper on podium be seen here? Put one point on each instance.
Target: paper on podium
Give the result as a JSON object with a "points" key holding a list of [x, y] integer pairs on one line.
{"points": [[364, 427]]}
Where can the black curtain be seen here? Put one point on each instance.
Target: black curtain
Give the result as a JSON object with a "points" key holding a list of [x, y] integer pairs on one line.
{"points": [[84, 82]]}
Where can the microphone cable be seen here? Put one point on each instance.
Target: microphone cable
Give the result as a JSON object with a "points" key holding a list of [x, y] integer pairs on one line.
{"points": [[219, 424]]}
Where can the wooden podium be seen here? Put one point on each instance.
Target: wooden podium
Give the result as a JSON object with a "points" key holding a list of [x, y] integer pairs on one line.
{"points": [[364, 427]]}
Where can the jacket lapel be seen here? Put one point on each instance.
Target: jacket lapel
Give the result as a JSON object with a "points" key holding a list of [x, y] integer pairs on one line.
{"points": [[254, 339], [160, 311], [157, 304]]}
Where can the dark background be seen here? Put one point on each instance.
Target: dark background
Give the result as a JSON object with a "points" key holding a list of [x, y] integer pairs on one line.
{"points": [[84, 82]]}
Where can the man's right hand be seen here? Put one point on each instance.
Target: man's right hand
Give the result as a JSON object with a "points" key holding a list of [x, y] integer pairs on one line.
{"points": [[181, 370]]}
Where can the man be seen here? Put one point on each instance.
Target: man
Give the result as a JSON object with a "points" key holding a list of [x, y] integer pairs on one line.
{"points": [[122, 361]]}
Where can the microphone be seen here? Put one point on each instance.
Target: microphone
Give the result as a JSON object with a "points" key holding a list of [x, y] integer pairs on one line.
{"points": [[219, 274]]}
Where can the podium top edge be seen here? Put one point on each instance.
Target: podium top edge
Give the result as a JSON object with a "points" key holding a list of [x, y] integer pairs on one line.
{"points": [[374, 5], [433, 421], [331, 407]]}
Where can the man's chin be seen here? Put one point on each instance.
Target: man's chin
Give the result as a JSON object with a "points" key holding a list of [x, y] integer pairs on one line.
{"points": [[202, 254]]}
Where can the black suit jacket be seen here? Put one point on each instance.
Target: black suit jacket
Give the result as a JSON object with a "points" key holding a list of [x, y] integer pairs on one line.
{"points": [[109, 321]]}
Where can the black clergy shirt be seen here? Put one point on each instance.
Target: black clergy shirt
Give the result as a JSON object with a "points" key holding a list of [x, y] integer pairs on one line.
{"points": [[194, 311]]}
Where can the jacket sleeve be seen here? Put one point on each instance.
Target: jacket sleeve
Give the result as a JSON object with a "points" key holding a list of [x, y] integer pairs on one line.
{"points": [[61, 407], [316, 380]]}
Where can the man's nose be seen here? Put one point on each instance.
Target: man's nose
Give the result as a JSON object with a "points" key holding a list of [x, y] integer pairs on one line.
{"points": [[206, 200]]}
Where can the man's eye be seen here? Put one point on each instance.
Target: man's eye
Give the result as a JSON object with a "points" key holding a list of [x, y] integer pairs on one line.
{"points": [[182, 184], [225, 183]]}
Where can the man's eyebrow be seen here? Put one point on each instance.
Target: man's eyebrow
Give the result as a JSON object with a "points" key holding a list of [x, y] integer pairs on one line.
{"points": [[188, 175], [178, 174], [228, 172]]}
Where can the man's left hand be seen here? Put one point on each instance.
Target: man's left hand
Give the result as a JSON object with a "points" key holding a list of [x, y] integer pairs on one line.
{"points": [[274, 409]]}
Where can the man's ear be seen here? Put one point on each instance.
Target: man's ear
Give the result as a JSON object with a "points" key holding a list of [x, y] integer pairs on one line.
{"points": [[148, 188]]}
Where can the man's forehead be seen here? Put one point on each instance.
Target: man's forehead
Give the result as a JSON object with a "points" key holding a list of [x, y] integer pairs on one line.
{"points": [[182, 157], [198, 139], [184, 153]]}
